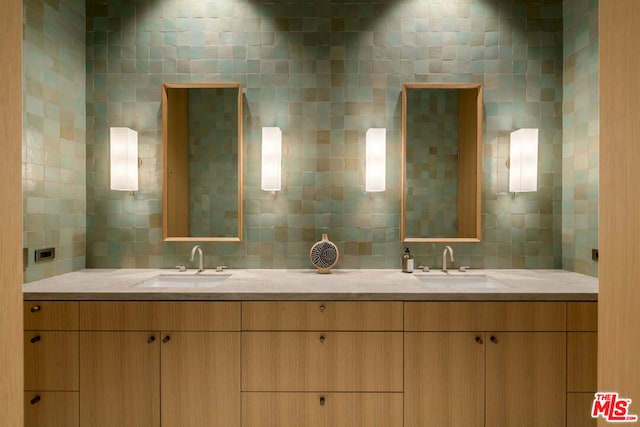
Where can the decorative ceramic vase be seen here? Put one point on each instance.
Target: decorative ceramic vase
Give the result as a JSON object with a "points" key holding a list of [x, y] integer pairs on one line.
{"points": [[324, 255]]}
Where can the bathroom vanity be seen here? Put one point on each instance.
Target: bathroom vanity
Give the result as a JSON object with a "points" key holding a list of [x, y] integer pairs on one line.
{"points": [[293, 348]]}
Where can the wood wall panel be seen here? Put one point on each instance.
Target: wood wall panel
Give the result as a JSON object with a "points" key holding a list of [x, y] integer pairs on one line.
{"points": [[11, 352], [619, 228]]}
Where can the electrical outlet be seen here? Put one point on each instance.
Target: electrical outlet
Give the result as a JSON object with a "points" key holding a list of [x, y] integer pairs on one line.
{"points": [[594, 255]]}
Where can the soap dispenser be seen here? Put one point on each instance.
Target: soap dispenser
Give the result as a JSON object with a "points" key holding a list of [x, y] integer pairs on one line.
{"points": [[407, 261]]}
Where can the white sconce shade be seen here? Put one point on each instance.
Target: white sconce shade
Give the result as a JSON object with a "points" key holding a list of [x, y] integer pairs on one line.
{"points": [[124, 159], [271, 158], [375, 175], [523, 161]]}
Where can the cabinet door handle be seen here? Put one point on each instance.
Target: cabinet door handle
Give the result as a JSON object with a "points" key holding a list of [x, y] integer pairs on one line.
{"points": [[321, 400], [35, 339], [322, 308], [494, 339], [479, 340], [151, 339], [35, 400], [166, 339], [322, 338], [35, 309]]}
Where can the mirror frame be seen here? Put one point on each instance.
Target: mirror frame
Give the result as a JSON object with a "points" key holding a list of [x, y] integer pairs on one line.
{"points": [[165, 165], [470, 110]]}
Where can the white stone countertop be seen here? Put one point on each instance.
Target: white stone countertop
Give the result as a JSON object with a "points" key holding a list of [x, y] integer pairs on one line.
{"points": [[235, 285]]}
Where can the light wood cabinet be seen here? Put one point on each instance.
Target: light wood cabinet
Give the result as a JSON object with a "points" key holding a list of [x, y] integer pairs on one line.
{"points": [[322, 409], [200, 379], [322, 364], [582, 353], [444, 379], [51, 358], [181, 377], [51, 409], [484, 378], [525, 379]]}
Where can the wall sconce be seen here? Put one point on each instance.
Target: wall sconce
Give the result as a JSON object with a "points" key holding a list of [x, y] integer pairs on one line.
{"points": [[375, 175], [523, 161], [271, 158], [124, 159]]}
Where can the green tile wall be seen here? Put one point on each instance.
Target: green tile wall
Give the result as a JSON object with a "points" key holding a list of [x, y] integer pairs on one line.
{"points": [[324, 72], [581, 136], [54, 133]]}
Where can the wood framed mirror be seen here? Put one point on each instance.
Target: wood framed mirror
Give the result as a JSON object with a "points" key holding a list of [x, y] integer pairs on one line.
{"points": [[441, 162], [202, 168]]}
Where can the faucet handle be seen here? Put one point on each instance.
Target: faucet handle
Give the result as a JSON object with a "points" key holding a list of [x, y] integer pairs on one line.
{"points": [[181, 268], [220, 268], [424, 268], [463, 268]]}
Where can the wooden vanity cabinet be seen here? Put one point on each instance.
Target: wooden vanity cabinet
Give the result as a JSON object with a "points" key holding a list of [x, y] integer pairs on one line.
{"points": [[187, 376], [51, 356], [582, 351], [322, 364], [485, 364]]}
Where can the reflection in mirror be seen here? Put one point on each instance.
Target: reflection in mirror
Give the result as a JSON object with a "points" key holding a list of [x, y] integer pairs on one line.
{"points": [[441, 169], [202, 146]]}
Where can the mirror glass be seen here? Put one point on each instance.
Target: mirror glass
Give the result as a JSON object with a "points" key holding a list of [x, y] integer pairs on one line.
{"points": [[442, 157], [202, 146]]}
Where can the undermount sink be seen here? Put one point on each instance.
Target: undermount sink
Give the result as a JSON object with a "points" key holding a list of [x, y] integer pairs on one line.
{"points": [[183, 281], [466, 281]]}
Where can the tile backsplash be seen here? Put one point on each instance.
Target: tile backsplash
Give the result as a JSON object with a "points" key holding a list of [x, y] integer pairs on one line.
{"points": [[325, 72]]}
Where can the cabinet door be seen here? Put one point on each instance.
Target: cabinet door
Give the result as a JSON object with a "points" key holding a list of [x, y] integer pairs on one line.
{"points": [[322, 409], [322, 361], [525, 379], [200, 379], [51, 409], [119, 379], [444, 379], [51, 360]]}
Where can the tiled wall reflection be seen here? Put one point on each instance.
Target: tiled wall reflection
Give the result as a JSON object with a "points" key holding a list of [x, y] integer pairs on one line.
{"points": [[213, 162], [432, 163], [324, 72], [53, 158], [581, 136]]}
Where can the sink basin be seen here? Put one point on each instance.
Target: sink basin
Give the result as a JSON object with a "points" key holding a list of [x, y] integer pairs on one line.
{"points": [[183, 281], [467, 281]]}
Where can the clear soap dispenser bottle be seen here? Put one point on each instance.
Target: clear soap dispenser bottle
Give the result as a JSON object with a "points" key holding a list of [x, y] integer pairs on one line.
{"points": [[407, 261]]}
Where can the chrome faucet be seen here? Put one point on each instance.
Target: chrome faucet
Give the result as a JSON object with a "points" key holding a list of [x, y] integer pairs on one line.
{"points": [[197, 249], [444, 257]]}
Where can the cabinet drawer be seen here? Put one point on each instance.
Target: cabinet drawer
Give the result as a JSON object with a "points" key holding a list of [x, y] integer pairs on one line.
{"points": [[166, 316], [322, 315], [485, 316], [51, 409], [582, 354], [51, 360], [322, 410], [322, 361], [50, 315], [582, 316]]}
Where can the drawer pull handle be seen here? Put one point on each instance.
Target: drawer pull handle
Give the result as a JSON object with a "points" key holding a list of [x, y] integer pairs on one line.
{"points": [[479, 340], [35, 339], [494, 340], [322, 338], [322, 308], [35, 400], [321, 400], [35, 309], [166, 339], [151, 339]]}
